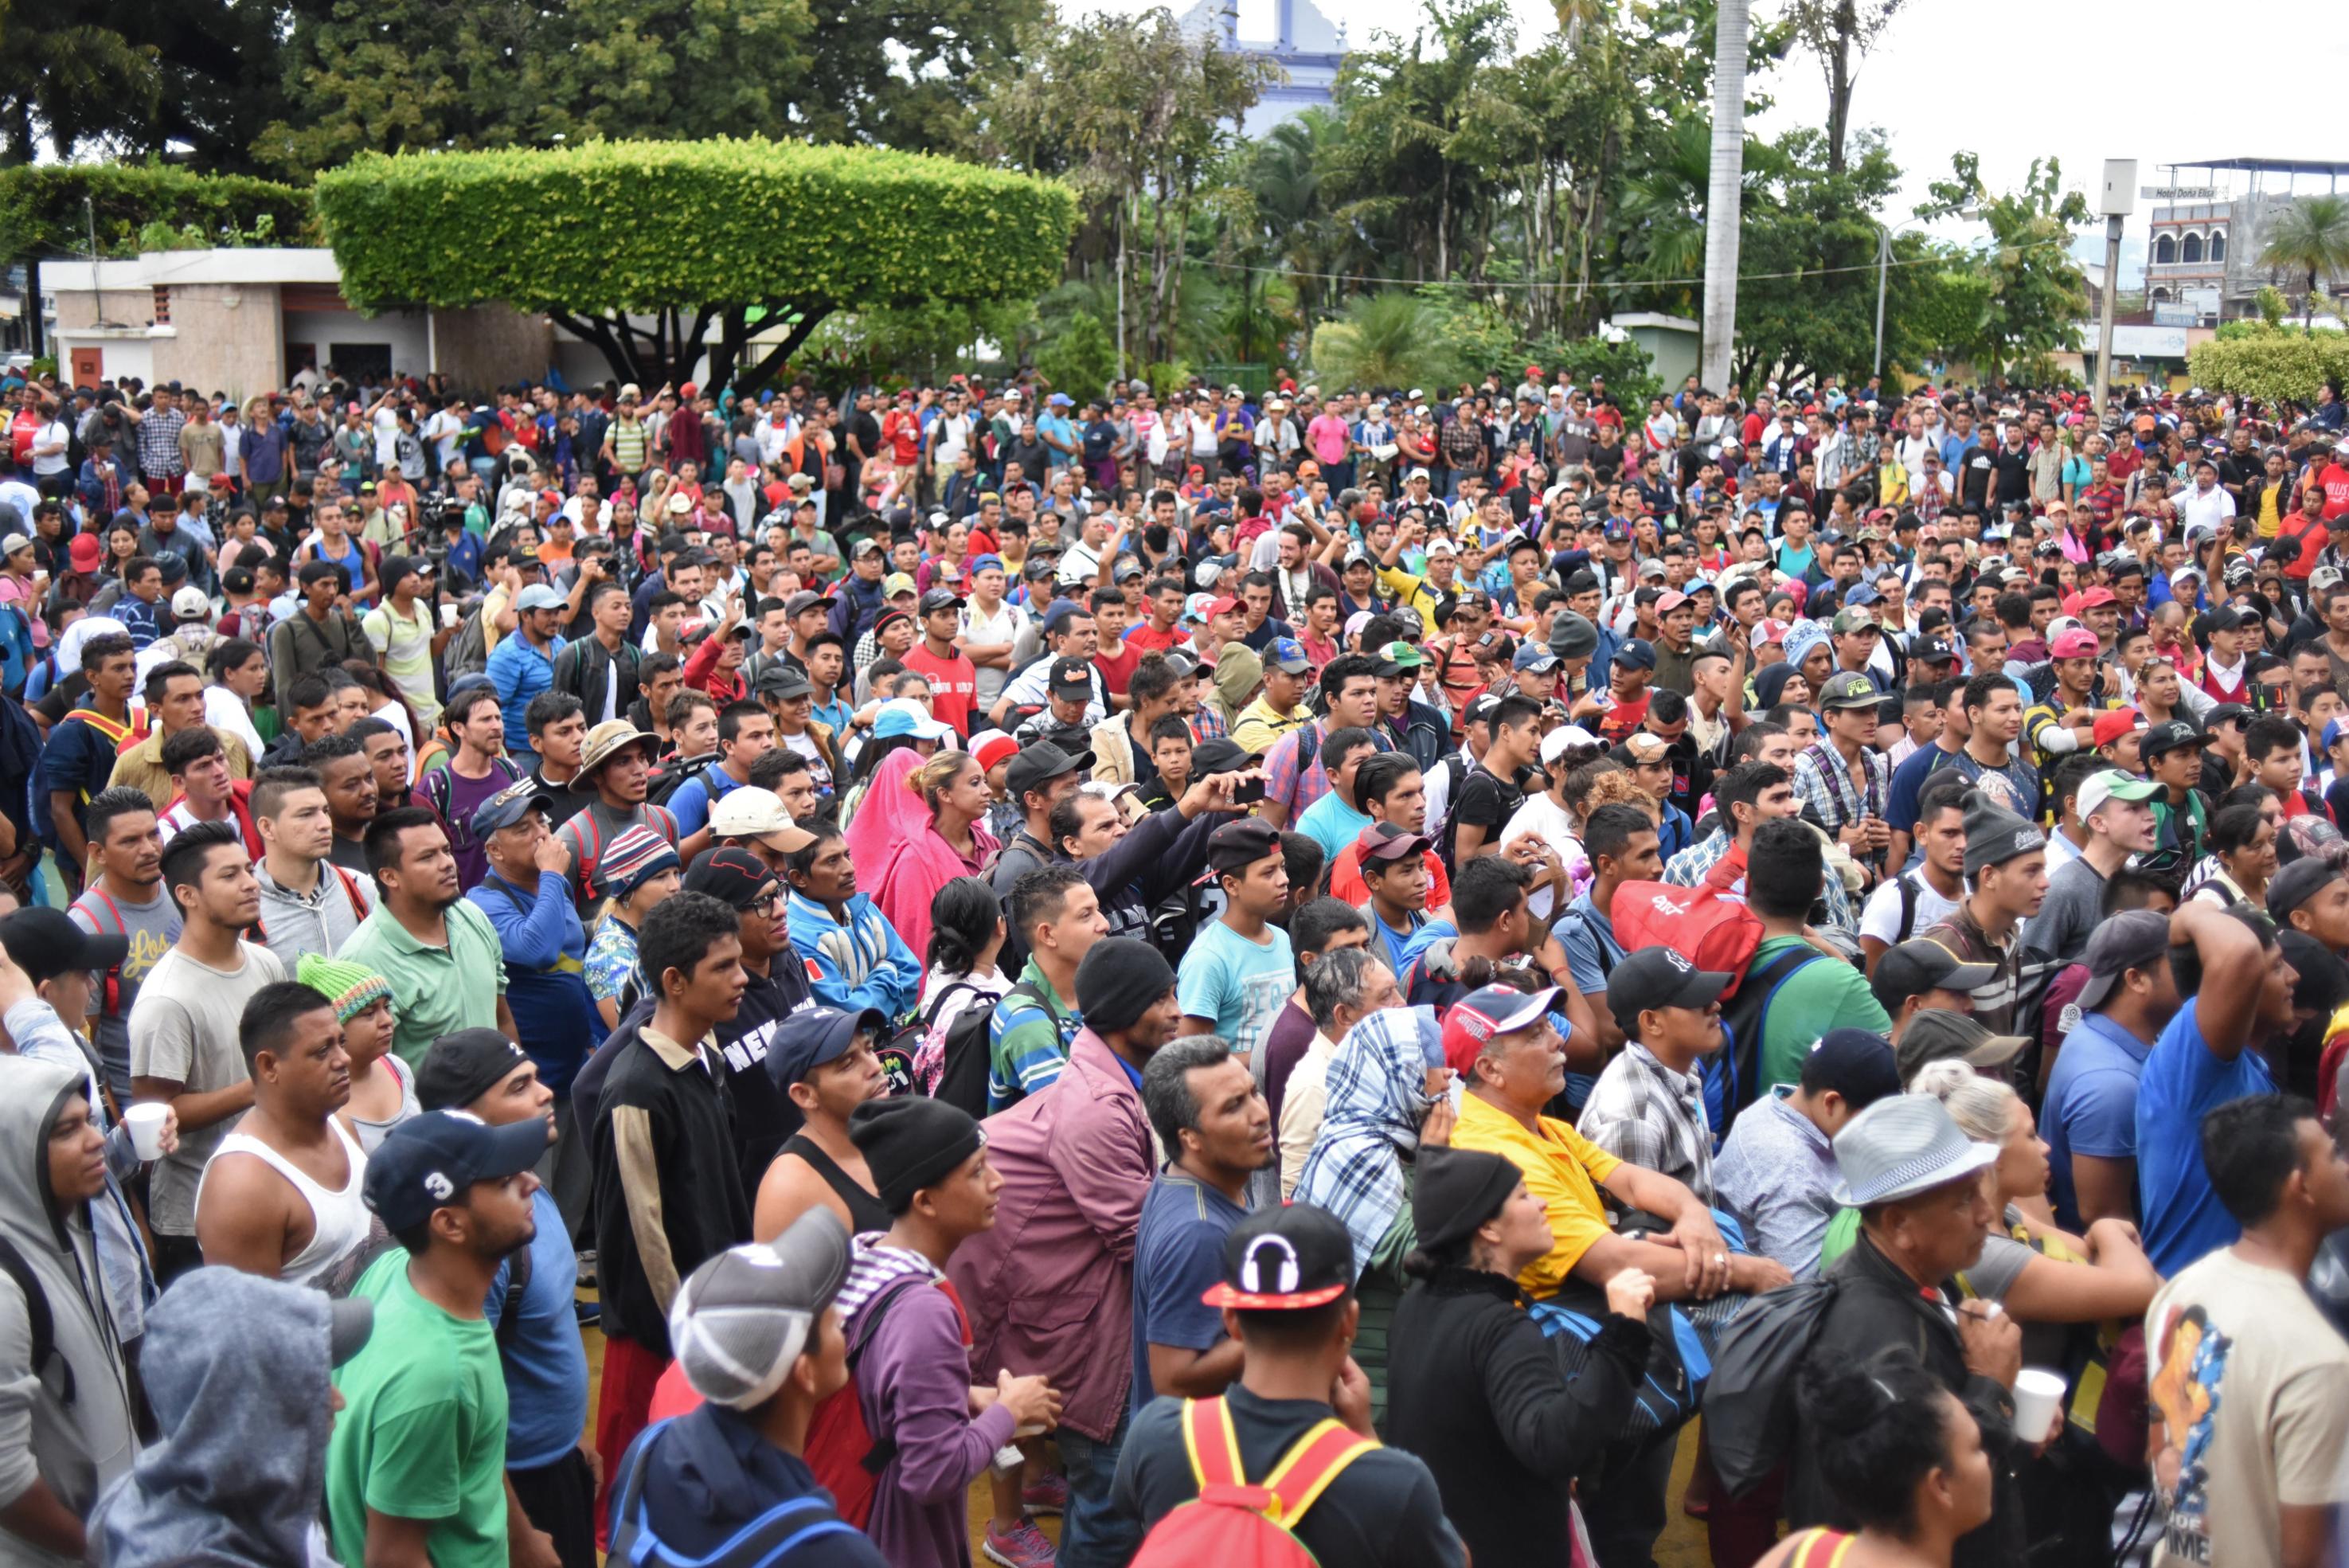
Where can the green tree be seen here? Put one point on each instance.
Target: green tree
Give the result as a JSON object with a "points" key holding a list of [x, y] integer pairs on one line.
{"points": [[752, 236], [131, 77], [1840, 33], [2310, 238], [2038, 293]]}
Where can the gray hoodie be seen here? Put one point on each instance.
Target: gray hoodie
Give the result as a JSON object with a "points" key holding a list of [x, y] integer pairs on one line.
{"points": [[240, 1472], [78, 1449]]}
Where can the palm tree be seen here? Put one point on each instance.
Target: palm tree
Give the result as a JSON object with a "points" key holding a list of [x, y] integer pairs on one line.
{"points": [[1725, 197], [2310, 236]]}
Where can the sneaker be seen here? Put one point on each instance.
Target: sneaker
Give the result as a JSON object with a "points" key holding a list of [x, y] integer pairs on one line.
{"points": [[1049, 1493], [1023, 1546]]}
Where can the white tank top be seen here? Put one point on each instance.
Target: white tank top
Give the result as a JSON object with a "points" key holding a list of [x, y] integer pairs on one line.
{"points": [[339, 1222]]}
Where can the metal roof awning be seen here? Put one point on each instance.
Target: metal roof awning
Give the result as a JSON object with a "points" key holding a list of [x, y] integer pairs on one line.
{"points": [[2263, 165]]}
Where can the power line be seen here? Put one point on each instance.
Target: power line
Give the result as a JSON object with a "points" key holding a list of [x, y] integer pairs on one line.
{"points": [[1580, 288]]}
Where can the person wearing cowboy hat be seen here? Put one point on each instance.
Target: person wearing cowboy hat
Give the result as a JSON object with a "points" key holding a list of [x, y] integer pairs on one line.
{"points": [[613, 764]]}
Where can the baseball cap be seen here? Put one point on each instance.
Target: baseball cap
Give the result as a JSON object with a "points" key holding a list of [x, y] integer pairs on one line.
{"points": [[811, 1039], [1671, 600], [1916, 966], [1931, 650], [1939, 1035], [1856, 1063], [191, 604], [742, 1320], [749, 812], [781, 681], [459, 1068], [905, 716], [896, 583], [991, 747], [1767, 631], [2077, 643], [428, 1160], [85, 552], [2136, 938], [1441, 547], [2288, 890], [1388, 841], [1288, 1257], [2088, 599], [805, 599], [1287, 653], [1559, 741], [1396, 657], [1238, 844], [2114, 722], [1476, 1019], [1852, 618], [46, 943], [539, 597], [1072, 678], [1636, 654], [1534, 657], [730, 873], [509, 806], [2226, 713], [1224, 605], [938, 599], [1849, 688], [1039, 764], [1661, 977], [2167, 737], [2111, 784]]}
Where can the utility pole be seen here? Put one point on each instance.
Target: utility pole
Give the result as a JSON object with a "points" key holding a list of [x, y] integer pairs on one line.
{"points": [[1883, 263], [1725, 193], [2117, 200]]}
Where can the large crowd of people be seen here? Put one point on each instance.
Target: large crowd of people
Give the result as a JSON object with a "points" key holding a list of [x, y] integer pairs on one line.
{"points": [[1386, 967]]}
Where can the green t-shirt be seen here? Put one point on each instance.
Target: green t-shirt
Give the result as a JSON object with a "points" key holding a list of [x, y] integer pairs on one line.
{"points": [[1826, 993], [422, 1434]]}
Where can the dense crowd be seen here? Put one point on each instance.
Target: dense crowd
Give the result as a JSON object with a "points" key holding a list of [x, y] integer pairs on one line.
{"points": [[1355, 973]]}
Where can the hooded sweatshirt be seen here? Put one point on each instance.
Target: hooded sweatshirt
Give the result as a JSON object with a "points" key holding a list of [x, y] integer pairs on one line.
{"points": [[239, 1474], [81, 1447]]}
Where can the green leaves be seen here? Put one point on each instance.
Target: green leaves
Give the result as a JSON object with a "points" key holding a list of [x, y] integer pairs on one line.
{"points": [[2270, 362], [41, 208]]}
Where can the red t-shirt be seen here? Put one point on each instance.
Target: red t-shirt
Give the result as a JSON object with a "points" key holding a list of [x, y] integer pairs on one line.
{"points": [[2335, 481], [1147, 639], [903, 431], [2123, 461], [954, 684], [1117, 665]]}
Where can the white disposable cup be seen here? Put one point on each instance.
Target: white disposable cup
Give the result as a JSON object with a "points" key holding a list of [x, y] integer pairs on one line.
{"points": [[447, 615], [146, 1121], [2038, 1395]]}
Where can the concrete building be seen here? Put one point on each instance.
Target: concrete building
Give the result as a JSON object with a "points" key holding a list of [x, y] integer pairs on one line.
{"points": [[1294, 35], [2205, 253], [244, 321]]}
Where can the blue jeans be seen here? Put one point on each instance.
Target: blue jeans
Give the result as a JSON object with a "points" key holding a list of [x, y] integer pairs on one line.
{"points": [[1091, 1535]]}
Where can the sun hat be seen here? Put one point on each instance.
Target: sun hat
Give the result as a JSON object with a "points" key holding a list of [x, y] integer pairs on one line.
{"points": [[1903, 1145]]}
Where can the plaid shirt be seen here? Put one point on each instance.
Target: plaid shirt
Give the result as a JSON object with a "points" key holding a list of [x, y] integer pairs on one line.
{"points": [[158, 444], [1285, 781], [1823, 783], [1644, 1113], [1689, 867], [1206, 724]]}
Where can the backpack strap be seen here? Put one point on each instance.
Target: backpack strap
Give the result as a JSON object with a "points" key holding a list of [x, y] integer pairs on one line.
{"points": [[1908, 894], [1312, 1463], [1212, 1443], [517, 1283], [1822, 1547], [39, 1326]]}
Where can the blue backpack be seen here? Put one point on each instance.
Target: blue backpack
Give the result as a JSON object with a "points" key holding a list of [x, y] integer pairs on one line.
{"points": [[767, 1539]]}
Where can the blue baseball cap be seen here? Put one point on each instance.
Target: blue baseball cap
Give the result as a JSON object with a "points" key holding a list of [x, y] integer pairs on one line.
{"points": [[1534, 657], [1636, 654], [427, 1162], [817, 1037], [1287, 653], [1619, 530], [509, 806], [985, 563]]}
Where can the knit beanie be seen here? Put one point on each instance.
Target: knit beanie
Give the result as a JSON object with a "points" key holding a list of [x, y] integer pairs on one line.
{"points": [[352, 988], [1456, 1189], [1994, 834], [911, 1142], [633, 855], [1118, 980]]}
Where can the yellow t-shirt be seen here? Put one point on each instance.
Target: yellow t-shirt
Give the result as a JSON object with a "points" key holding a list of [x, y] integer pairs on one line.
{"points": [[1561, 1167]]}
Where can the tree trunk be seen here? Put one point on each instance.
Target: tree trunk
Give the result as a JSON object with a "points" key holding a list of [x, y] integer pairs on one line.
{"points": [[1443, 226], [1838, 64], [1725, 193], [763, 371]]}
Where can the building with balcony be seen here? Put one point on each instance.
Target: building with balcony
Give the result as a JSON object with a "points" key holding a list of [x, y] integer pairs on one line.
{"points": [[2204, 255], [1294, 35]]}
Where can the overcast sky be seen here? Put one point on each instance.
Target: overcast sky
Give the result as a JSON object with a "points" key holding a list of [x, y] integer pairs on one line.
{"points": [[2025, 78]]}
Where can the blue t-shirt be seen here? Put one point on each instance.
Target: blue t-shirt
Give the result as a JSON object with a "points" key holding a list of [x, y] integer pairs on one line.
{"points": [[1401, 947], [1592, 950], [546, 1362], [2091, 1105], [2182, 1079], [691, 803], [1330, 823], [1239, 984], [1178, 1252], [1908, 783]]}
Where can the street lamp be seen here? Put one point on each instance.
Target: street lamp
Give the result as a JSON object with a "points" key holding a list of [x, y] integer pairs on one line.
{"points": [[2116, 201]]}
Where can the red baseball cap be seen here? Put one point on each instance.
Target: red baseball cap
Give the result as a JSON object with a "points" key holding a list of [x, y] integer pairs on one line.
{"points": [[2112, 725], [2078, 642], [1477, 1017], [2088, 599], [1224, 606]]}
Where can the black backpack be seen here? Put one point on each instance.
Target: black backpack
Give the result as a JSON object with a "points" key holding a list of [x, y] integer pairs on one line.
{"points": [[1743, 1017], [962, 1082], [1749, 1401], [668, 777]]}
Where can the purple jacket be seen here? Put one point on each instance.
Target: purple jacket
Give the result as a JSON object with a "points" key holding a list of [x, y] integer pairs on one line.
{"points": [[1050, 1288], [914, 1382]]}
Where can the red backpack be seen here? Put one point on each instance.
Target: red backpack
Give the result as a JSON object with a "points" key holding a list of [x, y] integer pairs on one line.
{"points": [[1234, 1522], [1708, 922], [841, 1450]]}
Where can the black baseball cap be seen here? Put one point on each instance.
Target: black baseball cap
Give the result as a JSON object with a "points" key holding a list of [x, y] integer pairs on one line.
{"points": [[1236, 846], [46, 943], [1389, 841], [940, 598], [809, 1040], [2167, 737], [2290, 888], [780, 680], [2136, 937], [1039, 764], [1915, 967], [1284, 1259], [1856, 1063], [1636, 654], [427, 1162], [1072, 678], [731, 873], [1661, 977], [459, 1068]]}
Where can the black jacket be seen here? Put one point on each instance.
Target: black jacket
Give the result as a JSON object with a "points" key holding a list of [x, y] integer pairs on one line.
{"points": [[663, 1134], [1484, 1404], [1877, 1305], [580, 669]]}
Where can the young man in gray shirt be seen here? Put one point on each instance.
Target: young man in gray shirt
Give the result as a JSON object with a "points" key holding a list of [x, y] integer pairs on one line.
{"points": [[2117, 810]]}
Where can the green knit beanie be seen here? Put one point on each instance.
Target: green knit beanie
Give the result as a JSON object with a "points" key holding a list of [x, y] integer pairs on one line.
{"points": [[353, 988]]}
